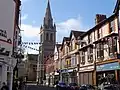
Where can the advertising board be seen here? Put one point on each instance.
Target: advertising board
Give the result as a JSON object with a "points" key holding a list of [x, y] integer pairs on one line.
{"points": [[7, 14]]}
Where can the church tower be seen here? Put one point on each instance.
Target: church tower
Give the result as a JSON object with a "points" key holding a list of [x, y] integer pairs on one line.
{"points": [[47, 39]]}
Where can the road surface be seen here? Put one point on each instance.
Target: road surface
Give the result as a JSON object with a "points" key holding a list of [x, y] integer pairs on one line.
{"points": [[37, 87]]}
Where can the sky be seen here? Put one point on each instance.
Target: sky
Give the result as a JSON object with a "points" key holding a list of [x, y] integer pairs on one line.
{"points": [[67, 14]]}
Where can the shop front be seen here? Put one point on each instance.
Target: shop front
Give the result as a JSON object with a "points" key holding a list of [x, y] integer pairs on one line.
{"points": [[56, 77], [51, 77], [86, 75], [108, 73], [69, 76]]}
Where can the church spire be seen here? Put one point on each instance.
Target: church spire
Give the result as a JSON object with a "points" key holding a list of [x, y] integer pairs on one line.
{"points": [[48, 11], [48, 21]]}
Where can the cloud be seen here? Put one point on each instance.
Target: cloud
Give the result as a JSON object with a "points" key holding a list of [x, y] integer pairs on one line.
{"points": [[24, 17], [69, 25], [31, 33], [64, 28]]}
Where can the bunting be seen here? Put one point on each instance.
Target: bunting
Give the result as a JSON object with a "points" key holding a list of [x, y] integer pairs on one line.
{"points": [[31, 43], [30, 47]]}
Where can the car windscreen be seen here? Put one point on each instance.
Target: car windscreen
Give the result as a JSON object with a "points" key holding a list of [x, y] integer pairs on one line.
{"points": [[62, 84], [73, 84]]}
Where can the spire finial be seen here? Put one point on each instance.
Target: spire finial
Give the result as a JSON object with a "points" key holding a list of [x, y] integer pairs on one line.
{"points": [[48, 21], [48, 10]]}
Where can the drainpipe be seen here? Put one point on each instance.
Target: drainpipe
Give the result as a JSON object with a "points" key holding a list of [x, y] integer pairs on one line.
{"points": [[118, 13], [94, 47]]}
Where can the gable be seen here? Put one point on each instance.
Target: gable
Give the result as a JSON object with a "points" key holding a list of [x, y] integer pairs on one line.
{"points": [[72, 37], [55, 51]]}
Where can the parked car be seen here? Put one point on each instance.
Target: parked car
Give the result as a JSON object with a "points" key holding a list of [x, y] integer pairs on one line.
{"points": [[111, 87], [61, 86], [87, 87], [73, 86]]}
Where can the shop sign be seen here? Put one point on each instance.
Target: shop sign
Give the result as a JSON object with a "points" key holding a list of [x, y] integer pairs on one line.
{"points": [[7, 15], [110, 66], [89, 68]]}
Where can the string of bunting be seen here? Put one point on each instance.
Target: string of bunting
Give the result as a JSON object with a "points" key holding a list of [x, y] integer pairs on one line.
{"points": [[31, 43], [30, 47]]}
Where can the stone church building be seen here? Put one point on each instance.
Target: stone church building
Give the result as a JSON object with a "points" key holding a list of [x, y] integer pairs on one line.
{"points": [[47, 42]]}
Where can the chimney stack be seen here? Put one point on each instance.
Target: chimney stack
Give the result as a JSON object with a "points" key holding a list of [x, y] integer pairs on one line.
{"points": [[99, 18]]}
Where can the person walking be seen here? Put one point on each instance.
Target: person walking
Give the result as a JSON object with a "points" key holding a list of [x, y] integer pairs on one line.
{"points": [[4, 87]]}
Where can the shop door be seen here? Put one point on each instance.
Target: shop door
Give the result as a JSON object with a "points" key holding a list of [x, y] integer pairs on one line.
{"points": [[90, 78], [85, 78], [81, 78]]}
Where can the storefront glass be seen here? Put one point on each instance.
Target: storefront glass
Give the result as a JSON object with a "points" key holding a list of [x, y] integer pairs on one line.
{"points": [[106, 73], [106, 77]]}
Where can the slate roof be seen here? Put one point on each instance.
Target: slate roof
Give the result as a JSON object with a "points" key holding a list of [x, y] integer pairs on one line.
{"points": [[76, 33]]}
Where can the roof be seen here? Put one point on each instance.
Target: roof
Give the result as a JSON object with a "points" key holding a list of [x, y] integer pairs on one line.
{"points": [[58, 45], [116, 6], [76, 33], [99, 24], [65, 39]]}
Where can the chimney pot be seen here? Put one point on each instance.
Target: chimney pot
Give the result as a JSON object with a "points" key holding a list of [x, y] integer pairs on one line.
{"points": [[99, 18]]}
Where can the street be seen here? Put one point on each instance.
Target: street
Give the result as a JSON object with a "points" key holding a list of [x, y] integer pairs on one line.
{"points": [[37, 87]]}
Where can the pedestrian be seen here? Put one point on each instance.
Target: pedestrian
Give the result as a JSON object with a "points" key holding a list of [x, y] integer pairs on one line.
{"points": [[4, 87], [15, 86]]}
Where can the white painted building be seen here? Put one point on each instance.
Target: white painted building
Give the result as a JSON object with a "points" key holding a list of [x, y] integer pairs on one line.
{"points": [[7, 24]]}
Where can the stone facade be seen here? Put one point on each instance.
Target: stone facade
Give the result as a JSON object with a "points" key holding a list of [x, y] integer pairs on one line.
{"points": [[47, 40]]}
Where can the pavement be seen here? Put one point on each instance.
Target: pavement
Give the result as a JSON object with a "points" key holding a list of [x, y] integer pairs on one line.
{"points": [[37, 87]]}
